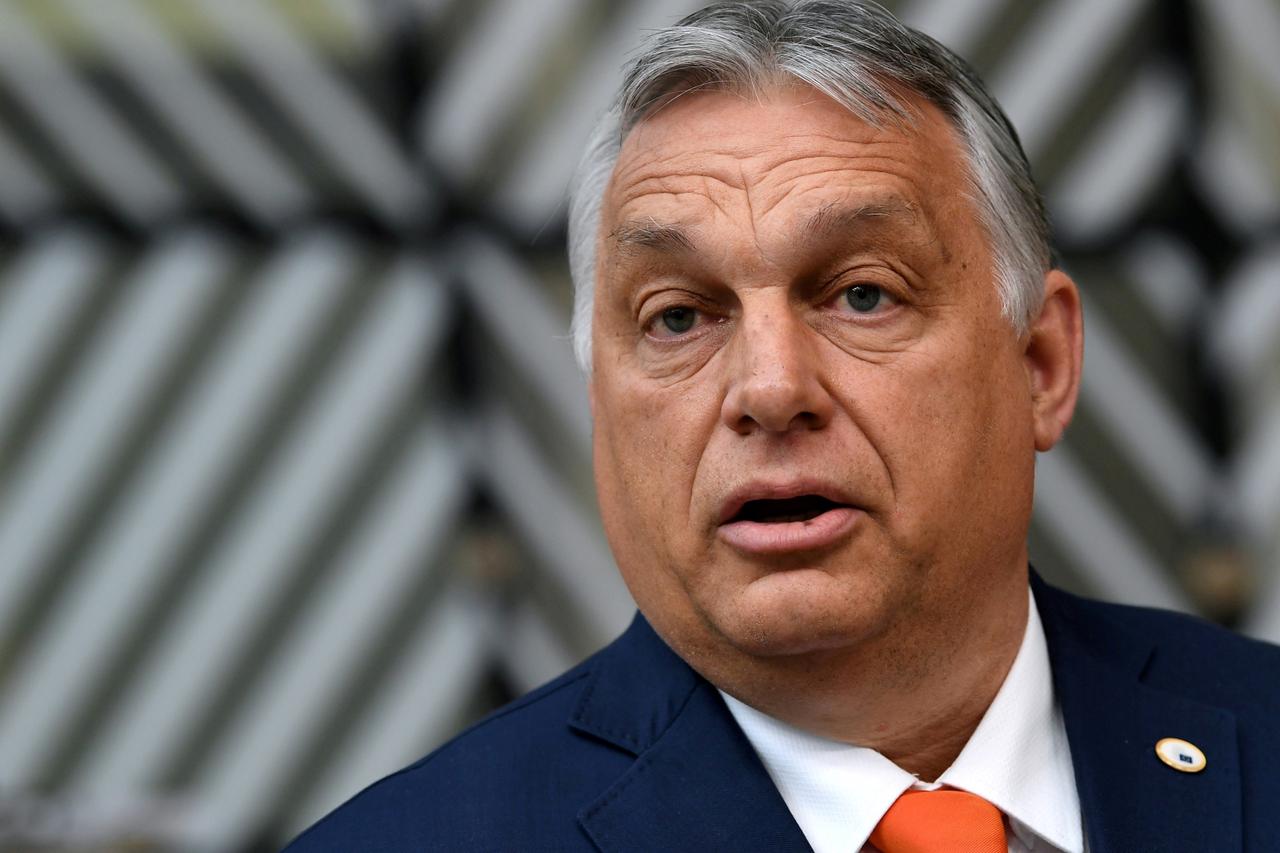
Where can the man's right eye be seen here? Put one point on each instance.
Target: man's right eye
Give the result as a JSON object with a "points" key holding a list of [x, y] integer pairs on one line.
{"points": [[678, 320]]}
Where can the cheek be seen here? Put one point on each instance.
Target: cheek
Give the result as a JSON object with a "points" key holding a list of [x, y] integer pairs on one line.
{"points": [[950, 436], [648, 446]]}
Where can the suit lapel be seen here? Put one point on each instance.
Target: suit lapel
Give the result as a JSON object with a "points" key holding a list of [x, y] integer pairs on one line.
{"points": [[696, 782], [1130, 799]]}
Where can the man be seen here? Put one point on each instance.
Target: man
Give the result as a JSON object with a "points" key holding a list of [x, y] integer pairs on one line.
{"points": [[825, 340]]}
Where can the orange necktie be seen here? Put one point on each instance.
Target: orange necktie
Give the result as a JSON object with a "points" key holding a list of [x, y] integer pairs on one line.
{"points": [[940, 822]]}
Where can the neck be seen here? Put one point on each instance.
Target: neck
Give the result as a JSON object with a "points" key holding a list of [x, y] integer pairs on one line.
{"points": [[917, 703]]}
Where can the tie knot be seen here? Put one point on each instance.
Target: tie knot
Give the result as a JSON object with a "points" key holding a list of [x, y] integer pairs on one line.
{"points": [[940, 822]]}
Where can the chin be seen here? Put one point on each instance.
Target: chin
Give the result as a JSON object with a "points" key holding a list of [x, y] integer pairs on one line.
{"points": [[797, 613]]}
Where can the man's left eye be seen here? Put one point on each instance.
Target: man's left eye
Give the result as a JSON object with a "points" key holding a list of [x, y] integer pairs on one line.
{"points": [[865, 298]]}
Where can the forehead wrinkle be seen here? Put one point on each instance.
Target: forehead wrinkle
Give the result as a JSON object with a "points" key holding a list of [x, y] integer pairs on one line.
{"points": [[748, 183], [795, 150], [755, 170], [699, 183], [791, 173], [638, 163]]}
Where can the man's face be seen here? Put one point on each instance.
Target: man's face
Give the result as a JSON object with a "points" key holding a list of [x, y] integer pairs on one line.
{"points": [[813, 427]]}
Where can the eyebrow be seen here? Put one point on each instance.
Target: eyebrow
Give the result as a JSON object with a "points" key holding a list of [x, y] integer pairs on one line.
{"points": [[652, 234], [836, 218]]}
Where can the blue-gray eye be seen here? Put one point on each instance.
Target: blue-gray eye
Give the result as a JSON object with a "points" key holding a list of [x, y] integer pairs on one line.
{"points": [[863, 297], [678, 320]]}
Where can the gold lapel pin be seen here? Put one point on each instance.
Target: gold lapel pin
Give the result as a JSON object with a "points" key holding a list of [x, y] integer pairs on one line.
{"points": [[1181, 755]]}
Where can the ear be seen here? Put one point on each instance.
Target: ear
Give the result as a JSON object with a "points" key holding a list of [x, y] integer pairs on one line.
{"points": [[1053, 358]]}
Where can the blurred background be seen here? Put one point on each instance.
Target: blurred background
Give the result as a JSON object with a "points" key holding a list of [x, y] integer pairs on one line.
{"points": [[294, 474]]}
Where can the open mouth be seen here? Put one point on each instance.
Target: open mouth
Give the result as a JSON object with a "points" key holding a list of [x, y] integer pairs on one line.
{"points": [[772, 527], [799, 508]]}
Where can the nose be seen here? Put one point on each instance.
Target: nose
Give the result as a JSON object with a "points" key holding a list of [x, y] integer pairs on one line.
{"points": [[775, 385]]}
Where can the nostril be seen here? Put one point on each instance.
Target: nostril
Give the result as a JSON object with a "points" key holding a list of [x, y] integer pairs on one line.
{"points": [[746, 423], [777, 401]]}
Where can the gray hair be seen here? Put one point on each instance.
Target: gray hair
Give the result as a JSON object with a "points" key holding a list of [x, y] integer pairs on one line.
{"points": [[860, 56]]}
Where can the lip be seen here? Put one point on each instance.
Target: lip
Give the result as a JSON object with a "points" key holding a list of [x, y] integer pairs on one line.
{"points": [[755, 537], [780, 491], [764, 538]]}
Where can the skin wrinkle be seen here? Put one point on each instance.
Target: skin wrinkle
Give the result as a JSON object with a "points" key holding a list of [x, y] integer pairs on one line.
{"points": [[882, 138], [633, 187], [688, 231], [637, 198], [746, 184], [927, 414], [833, 219], [885, 163]]}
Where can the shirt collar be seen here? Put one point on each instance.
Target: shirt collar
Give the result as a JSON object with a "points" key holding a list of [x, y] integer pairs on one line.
{"points": [[1017, 758], [837, 793]]}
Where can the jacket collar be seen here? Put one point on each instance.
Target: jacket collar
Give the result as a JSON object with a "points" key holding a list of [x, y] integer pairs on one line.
{"points": [[1129, 799], [696, 782], [635, 690]]}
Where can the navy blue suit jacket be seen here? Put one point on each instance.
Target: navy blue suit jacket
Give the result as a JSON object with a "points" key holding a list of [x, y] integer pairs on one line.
{"points": [[633, 751]]}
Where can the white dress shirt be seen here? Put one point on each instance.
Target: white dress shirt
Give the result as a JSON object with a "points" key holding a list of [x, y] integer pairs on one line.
{"points": [[1017, 759]]}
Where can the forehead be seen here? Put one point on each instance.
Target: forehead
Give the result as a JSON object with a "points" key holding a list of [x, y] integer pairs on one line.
{"points": [[773, 158]]}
